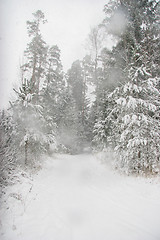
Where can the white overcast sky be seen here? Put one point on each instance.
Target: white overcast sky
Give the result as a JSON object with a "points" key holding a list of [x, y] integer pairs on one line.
{"points": [[69, 23]]}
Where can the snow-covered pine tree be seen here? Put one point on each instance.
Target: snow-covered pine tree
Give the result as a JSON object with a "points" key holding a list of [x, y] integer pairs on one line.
{"points": [[35, 54], [52, 91], [53, 84], [75, 83]]}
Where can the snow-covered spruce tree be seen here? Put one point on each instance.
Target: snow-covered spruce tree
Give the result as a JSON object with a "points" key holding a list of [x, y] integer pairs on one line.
{"points": [[135, 102], [31, 136], [8, 149], [68, 126], [137, 123], [106, 113], [100, 132], [104, 134], [138, 98]]}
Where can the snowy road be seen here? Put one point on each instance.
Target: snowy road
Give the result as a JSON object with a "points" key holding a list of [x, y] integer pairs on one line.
{"points": [[78, 198]]}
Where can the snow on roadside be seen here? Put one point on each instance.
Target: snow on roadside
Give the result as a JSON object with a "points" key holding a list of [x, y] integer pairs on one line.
{"points": [[79, 198]]}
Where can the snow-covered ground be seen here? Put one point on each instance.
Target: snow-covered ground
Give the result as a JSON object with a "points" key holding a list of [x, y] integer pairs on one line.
{"points": [[79, 198]]}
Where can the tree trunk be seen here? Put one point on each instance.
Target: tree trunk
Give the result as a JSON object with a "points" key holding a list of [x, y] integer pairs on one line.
{"points": [[26, 152], [33, 78], [84, 97]]}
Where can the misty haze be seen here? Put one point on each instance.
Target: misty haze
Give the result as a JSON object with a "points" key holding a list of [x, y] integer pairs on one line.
{"points": [[80, 120]]}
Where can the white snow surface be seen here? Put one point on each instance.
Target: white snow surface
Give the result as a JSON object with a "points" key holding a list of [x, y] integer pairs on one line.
{"points": [[80, 198]]}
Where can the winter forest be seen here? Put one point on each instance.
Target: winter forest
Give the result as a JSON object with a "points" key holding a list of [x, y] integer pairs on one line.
{"points": [[107, 104]]}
